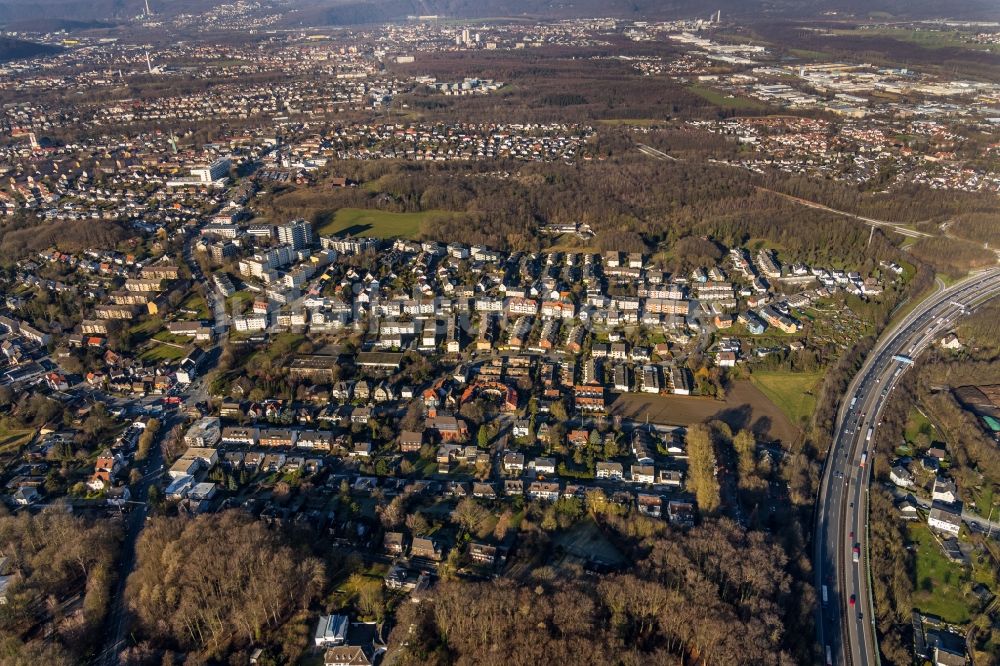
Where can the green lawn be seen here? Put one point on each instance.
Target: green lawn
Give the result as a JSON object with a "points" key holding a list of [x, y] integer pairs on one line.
{"points": [[984, 497], [164, 352], [809, 54], [280, 345], [724, 100], [916, 423], [939, 582], [145, 330], [167, 336], [197, 303], [792, 392], [375, 223], [240, 301]]}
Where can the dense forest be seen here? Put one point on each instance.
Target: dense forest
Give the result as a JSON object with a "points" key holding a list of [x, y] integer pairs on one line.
{"points": [[981, 331], [952, 256], [24, 235], [719, 595], [209, 589], [215, 584], [14, 49], [632, 203], [563, 84], [62, 569], [977, 227]]}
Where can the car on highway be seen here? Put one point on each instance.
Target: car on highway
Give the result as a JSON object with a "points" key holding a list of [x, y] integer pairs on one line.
{"points": [[853, 601], [852, 535], [857, 553]]}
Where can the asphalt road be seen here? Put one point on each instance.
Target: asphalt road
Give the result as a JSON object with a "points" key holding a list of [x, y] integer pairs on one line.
{"points": [[846, 630], [117, 621]]}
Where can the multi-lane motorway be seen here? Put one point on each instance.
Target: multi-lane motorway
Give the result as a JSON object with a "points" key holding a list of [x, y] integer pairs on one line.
{"points": [[845, 624]]}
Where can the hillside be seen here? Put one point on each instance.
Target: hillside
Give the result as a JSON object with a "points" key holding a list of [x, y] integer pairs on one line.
{"points": [[344, 12], [15, 49]]}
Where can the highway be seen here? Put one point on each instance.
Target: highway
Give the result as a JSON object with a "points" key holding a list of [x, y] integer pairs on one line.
{"points": [[845, 621]]}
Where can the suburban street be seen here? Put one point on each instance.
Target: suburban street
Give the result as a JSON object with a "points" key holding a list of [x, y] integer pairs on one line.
{"points": [[135, 519], [152, 469], [846, 630]]}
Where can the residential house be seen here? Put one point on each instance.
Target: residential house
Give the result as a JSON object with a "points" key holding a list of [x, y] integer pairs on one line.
{"points": [[449, 428], [945, 519], [410, 441], [671, 478], [548, 491], [349, 655], [394, 543], [513, 462], [650, 505], [513, 487], [609, 470], [945, 490], [643, 474], [482, 490], [482, 553], [901, 476], [427, 548], [543, 465]]}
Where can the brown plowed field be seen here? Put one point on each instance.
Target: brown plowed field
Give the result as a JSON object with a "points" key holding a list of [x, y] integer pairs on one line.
{"points": [[744, 406]]}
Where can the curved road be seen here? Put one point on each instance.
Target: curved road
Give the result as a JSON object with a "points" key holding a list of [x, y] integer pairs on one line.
{"points": [[902, 229], [845, 622]]}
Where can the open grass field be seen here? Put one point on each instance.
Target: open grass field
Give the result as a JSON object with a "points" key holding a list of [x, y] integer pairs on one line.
{"points": [[724, 101], [792, 392], [375, 223], [634, 122], [745, 406], [12, 440], [939, 582], [164, 352], [928, 39], [167, 336], [809, 54], [146, 329]]}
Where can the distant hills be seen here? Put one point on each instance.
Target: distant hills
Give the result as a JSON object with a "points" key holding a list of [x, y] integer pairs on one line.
{"points": [[352, 11], [48, 24], [14, 49], [79, 14]]}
